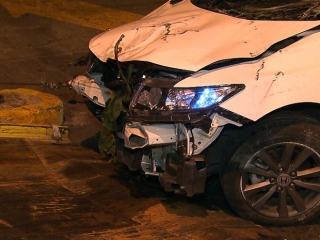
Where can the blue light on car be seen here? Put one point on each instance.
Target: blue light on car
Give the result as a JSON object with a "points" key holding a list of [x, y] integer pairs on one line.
{"points": [[207, 97]]}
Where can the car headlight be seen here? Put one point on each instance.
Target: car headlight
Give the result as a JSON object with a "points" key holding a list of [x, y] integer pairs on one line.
{"points": [[179, 99]]}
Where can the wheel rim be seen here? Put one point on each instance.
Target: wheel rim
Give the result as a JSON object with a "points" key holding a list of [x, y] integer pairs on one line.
{"points": [[282, 180]]}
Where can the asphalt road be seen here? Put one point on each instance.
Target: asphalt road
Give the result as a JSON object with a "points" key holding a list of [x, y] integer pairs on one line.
{"points": [[90, 199]]}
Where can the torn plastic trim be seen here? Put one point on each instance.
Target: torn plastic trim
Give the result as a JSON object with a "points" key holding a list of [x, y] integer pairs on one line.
{"points": [[154, 158], [184, 176], [114, 72], [234, 117], [200, 120], [202, 139], [93, 88], [146, 117], [197, 138], [137, 135], [131, 158]]}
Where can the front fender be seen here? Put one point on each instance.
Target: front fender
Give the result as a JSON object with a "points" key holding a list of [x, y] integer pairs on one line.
{"points": [[286, 77]]}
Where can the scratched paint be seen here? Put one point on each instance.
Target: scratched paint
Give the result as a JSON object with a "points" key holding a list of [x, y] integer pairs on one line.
{"points": [[194, 36], [277, 80]]}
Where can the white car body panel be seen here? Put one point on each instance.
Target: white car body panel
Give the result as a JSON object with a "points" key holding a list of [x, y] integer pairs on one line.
{"points": [[93, 89], [184, 36], [288, 76], [156, 134]]}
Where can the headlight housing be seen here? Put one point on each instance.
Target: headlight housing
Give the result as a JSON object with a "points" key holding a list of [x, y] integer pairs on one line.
{"points": [[196, 98], [153, 98]]}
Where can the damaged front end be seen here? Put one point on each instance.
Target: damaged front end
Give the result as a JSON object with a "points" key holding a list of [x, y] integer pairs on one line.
{"points": [[167, 85], [166, 129], [161, 128], [174, 126]]}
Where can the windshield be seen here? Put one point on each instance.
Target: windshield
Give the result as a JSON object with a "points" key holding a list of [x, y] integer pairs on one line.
{"points": [[264, 9]]}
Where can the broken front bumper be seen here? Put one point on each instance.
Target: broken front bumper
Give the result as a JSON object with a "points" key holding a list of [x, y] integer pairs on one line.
{"points": [[92, 88], [169, 153], [139, 136]]}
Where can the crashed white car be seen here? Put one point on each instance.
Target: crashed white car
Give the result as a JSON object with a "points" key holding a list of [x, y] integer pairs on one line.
{"points": [[228, 87]]}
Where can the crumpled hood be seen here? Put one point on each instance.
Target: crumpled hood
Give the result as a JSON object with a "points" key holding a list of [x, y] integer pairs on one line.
{"points": [[184, 36]]}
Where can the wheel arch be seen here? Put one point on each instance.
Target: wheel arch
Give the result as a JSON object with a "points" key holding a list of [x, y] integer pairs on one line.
{"points": [[309, 109], [218, 154]]}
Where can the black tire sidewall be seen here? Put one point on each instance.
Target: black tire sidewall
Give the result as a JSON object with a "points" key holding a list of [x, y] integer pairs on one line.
{"points": [[303, 133]]}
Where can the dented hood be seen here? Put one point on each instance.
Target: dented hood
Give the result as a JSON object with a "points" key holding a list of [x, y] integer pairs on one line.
{"points": [[186, 37]]}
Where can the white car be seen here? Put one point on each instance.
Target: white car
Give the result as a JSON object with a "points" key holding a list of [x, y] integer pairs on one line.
{"points": [[228, 87]]}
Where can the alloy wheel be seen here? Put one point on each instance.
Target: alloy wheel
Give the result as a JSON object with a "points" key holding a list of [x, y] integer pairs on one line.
{"points": [[282, 180]]}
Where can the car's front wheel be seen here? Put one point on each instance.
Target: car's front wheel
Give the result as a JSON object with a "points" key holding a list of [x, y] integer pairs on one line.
{"points": [[274, 176]]}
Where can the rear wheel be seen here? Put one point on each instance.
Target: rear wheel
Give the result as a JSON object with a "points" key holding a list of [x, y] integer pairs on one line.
{"points": [[274, 175]]}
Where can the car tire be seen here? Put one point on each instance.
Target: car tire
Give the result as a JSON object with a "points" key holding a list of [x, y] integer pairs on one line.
{"points": [[273, 177]]}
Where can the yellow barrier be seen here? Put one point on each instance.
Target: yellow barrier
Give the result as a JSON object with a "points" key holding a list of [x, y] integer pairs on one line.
{"points": [[27, 106], [58, 134]]}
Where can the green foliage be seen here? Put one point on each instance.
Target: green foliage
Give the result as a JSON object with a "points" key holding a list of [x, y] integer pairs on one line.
{"points": [[111, 122]]}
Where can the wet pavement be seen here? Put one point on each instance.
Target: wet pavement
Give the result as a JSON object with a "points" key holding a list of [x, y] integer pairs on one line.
{"points": [[55, 191], [65, 191]]}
